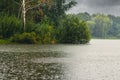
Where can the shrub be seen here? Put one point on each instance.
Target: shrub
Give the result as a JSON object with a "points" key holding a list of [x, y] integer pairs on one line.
{"points": [[5, 41], [9, 25], [46, 33], [27, 38], [30, 26], [75, 31]]}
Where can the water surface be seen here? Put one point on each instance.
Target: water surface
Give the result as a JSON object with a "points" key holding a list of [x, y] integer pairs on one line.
{"points": [[98, 60]]}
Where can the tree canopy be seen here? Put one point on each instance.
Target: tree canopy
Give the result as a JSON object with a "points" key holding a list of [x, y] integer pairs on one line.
{"points": [[102, 26], [41, 21]]}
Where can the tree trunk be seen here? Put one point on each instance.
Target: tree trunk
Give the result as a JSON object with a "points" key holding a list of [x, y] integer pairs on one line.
{"points": [[24, 15]]}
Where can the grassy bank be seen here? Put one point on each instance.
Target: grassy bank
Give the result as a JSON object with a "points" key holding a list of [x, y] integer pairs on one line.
{"points": [[5, 41]]}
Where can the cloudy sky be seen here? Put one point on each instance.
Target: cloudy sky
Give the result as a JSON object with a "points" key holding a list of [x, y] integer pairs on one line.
{"points": [[97, 6]]}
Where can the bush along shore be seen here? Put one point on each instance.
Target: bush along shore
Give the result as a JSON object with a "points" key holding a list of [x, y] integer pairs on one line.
{"points": [[72, 31]]}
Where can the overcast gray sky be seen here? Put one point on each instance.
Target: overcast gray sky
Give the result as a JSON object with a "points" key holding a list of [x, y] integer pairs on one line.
{"points": [[97, 6]]}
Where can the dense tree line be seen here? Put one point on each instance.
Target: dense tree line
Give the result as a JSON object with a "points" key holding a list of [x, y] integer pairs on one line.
{"points": [[41, 21], [102, 26]]}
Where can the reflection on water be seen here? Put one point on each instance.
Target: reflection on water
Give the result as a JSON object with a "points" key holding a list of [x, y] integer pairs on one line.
{"points": [[98, 60]]}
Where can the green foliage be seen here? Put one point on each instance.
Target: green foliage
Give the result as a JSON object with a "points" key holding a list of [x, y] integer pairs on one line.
{"points": [[102, 25], [9, 7], [46, 33], [114, 30], [27, 38], [9, 25], [30, 26], [57, 10], [46, 23], [4, 41], [84, 16], [75, 31], [91, 25]]}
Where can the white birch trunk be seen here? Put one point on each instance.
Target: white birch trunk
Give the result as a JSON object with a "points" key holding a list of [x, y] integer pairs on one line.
{"points": [[24, 14]]}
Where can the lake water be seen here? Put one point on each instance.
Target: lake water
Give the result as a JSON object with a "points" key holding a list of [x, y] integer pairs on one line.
{"points": [[98, 60]]}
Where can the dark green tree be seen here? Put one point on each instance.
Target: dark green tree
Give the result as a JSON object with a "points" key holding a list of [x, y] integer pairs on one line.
{"points": [[57, 10], [75, 31]]}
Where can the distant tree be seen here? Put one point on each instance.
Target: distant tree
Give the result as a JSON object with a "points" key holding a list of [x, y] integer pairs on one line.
{"points": [[115, 29], [102, 25], [91, 26], [84, 16]]}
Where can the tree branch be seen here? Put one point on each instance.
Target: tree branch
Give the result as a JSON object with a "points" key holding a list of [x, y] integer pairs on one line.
{"points": [[16, 2], [33, 7]]}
